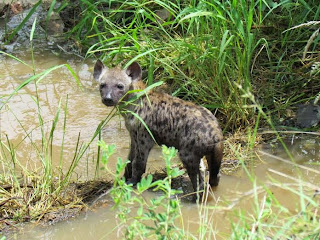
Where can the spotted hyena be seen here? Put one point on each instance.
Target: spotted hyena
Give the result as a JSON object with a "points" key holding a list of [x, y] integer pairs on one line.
{"points": [[192, 129]]}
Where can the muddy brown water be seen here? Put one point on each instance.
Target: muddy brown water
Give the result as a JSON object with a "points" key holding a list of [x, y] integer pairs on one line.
{"points": [[85, 112]]}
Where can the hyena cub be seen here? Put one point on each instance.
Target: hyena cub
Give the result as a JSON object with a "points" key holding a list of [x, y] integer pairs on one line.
{"points": [[192, 129]]}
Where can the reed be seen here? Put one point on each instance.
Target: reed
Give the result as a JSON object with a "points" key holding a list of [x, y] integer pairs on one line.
{"points": [[205, 49]]}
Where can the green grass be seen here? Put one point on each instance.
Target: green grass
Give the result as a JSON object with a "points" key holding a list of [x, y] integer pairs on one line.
{"points": [[27, 194], [205, 50], [268, 218]]}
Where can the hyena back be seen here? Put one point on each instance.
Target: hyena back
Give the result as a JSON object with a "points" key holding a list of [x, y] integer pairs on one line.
{"points": [[191, 129]]}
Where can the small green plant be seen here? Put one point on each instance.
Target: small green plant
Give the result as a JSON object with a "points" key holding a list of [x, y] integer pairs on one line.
{"points": [[155, 218]]}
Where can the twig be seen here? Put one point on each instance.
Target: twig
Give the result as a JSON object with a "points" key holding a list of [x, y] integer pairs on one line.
{"points": [[290, 162], [310, 185], [7, 200], [303, 25], [291, 132]]}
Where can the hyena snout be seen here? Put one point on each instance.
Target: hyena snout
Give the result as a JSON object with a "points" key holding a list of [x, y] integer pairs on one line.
{"points": [[108, 97], [108, 101], [111, 95]]}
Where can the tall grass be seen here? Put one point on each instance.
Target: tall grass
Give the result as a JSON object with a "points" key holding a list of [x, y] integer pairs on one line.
{"points": [[28, 194], [287, 77], [201, 50], [205, 49], [269, 218]]}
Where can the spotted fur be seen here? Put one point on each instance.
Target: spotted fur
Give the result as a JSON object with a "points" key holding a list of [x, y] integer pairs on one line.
{"points": [[192, 129]]}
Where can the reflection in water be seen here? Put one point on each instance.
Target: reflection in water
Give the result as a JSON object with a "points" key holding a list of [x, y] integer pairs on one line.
{"points": [[85, 111]]}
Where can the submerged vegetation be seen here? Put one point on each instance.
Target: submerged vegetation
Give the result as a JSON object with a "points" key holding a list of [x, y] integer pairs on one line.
{"points": [[251, 62]]}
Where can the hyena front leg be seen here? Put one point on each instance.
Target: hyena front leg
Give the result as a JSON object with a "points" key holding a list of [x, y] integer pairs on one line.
{"points": [[128, 170], [191, 162], [141, 144]]}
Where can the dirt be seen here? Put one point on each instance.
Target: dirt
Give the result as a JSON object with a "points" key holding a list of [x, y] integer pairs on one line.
{"points": [[76, 198], [67, 206]]}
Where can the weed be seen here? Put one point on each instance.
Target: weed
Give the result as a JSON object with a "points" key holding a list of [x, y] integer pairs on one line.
{"points": [[154, 218]]}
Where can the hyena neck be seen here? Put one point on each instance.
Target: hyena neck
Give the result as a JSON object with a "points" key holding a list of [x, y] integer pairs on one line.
{"points": [[138, 85], [129, 102]]}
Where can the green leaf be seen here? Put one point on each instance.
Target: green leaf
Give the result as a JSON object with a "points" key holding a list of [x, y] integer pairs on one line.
{"points": [[140, 210], [53, 3], [176, 172], [32, 29], [141, 55], [196, 14], [144, 184]]}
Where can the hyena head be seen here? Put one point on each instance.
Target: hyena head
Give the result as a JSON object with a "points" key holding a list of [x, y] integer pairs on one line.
{"points": [[115, 82]]}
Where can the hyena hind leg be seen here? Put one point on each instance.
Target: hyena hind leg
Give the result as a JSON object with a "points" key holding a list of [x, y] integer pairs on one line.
{"points": [[192, 164], [214, 162]]}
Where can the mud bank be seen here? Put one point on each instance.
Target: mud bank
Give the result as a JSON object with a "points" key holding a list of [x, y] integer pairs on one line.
{"points": [[68, 204]]}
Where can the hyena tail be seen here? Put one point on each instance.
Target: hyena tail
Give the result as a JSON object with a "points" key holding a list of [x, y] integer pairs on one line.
{"points": [[214, 162]]}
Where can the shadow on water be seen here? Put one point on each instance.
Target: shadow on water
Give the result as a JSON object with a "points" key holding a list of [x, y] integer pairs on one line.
{"points": [[85, 111]]}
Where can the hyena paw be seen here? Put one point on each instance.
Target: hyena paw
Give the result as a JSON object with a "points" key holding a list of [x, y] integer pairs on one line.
{"points": [[132, 181], [214, 181]]}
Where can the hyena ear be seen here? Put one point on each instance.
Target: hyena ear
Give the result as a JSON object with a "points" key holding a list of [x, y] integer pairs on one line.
{"points": [[134, 71], [98, 68]]}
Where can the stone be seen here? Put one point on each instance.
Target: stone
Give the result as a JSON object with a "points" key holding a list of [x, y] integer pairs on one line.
{"points": [[308, 115]]}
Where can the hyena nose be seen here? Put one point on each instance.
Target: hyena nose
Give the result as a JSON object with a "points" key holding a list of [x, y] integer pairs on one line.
{"points": [[107, 101]]}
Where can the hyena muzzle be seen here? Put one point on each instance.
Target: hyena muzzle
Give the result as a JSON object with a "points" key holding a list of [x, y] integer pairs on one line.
{"points": [[191, 129]]}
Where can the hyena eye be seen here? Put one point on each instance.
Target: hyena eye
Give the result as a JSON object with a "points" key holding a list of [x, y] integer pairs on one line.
{"points": [[120, 86], [102, 85]]}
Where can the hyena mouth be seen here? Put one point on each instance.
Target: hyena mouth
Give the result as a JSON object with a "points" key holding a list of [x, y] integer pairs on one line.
{"points": [[108, 102]]}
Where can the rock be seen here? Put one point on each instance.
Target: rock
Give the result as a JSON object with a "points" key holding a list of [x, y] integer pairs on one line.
{"points": [[21, 39], [55, 25], [17, 6], [308, 115], [163, 14], [18, 18]]}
